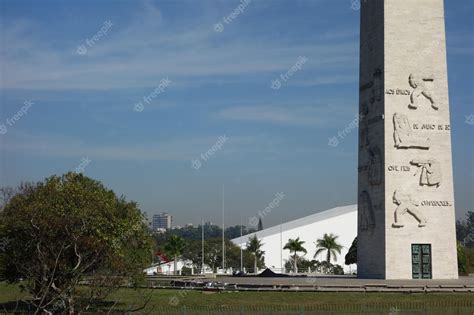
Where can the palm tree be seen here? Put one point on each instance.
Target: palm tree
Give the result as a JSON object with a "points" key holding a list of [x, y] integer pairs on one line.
{"points": [[253, 246], [295, 246], [328, 243], [175, 247]]}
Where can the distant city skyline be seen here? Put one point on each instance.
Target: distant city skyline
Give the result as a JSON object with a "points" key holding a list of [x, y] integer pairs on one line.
{"points": [[166, 101]]}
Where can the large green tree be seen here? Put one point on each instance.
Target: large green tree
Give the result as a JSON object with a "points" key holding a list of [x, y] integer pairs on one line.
{"points": [[295, 246], [70, 229], [174, 247], [254, 246], [329, 244]]}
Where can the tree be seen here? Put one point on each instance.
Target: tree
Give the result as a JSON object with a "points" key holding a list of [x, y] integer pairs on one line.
{"points": [[175, 247], [213, 254], [465, 230], [351, 256], [193, 253], [463, 260], [295, 246], [70, 229], [328, 243], [232, 255], [260, 224], [210, 230], [253, 246], [303, 264]]}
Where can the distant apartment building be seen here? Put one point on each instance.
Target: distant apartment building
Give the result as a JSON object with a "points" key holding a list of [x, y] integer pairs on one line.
{"points": [[162, 221]]}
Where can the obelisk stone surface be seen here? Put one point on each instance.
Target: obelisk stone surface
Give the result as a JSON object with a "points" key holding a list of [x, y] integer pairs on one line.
{"points": [[406, 225]]}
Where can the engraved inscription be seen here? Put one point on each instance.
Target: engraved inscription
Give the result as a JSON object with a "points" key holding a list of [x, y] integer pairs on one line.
{"points": [[398, 168], [436, 203], [432, 127], [397, 92]]}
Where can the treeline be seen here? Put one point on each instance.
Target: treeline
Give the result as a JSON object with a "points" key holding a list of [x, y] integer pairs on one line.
{"points": [[210, 231]]}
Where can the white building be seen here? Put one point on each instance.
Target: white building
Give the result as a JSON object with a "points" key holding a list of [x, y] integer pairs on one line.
{"points": [[341, 221], [162, 221]]}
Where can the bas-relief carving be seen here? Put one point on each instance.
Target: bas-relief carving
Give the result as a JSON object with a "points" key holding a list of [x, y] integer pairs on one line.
{"points": [[375, 166], [377, 88], [429, 172], [406, 205], [366, 212], [364, 134], [364, 109], [405, 137], [421, 89]]}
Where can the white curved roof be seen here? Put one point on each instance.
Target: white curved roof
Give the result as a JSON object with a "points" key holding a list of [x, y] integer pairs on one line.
{"points": [[319, 216]]}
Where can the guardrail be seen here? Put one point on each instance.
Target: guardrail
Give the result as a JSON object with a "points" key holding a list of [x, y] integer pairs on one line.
{"points": [[430, 308]]}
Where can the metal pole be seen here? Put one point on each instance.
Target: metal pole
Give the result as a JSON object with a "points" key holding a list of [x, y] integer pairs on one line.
{"points": [[241, 255], [281, 247], [202, 246], [223, 229]]}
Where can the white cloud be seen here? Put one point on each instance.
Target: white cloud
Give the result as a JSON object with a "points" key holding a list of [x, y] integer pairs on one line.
{"points": [[149, 47], [311, 116]]}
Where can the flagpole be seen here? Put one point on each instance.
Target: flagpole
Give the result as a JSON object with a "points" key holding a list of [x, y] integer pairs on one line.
{"points": [[223, 228], [281, 247], [202, 246], [241, 256]]}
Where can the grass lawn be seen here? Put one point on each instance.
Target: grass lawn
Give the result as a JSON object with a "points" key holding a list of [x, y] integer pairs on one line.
{"points": [[195, 299]]}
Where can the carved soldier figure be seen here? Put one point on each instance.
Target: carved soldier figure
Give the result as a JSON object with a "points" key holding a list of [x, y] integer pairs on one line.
{"points": [[406, 204], [430, 172], [366, 212], [420, 88], [377, 88], [375, 167]]}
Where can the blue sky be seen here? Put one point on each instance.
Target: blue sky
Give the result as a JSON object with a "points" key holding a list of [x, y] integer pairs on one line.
{"points": [[84, 102]]}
